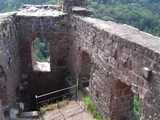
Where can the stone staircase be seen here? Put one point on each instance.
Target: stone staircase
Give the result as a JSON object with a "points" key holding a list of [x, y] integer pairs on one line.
{"points": [[73, 111]]}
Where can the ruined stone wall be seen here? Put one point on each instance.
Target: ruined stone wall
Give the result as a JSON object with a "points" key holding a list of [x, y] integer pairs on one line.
{"points": [[9, 59], [118, 60], [31, 27], [50, 25], [1, 111], [118, 54], [68, 4]]}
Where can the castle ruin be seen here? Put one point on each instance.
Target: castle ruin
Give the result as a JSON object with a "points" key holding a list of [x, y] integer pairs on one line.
{"points": [[118, 60]]}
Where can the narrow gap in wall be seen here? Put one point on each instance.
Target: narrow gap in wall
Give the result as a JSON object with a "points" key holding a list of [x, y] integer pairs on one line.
{"points": [[121, 101], [40, 55], [85, 68]]}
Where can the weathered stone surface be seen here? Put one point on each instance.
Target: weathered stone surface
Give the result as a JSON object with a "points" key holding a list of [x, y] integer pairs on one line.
{"points": [[1, 112], [118, 53], [81, 11], [50, 25], [68, 4], [39, 11], [9, 60], [111, 57]]}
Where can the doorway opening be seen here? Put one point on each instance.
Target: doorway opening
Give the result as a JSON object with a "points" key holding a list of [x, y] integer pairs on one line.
{"points": [[85, 69], [122, 99], [40, 55]]}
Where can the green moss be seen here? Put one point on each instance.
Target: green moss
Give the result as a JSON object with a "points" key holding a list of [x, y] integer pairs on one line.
{"points": [[91, 107], [137, 107]]}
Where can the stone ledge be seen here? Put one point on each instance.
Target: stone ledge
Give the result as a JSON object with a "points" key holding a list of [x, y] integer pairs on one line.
{"points": [[126, 32], [81, 11], [40, 11]]}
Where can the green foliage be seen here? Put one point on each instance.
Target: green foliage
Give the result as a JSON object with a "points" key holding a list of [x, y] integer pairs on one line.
{"points": [[143, 14], [41, 51], [137, 107], [92, 108]]}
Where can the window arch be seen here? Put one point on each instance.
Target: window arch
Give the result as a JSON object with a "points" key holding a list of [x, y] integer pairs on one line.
{"points": [[121, 101], [85, 69]]}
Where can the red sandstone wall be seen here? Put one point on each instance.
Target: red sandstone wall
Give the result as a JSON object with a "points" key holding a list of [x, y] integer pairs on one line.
{"points": [[118, 53], [9, 61], [54, 30]]}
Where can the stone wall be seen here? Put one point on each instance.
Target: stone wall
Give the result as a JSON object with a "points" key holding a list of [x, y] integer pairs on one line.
{"points": [[68, 4], [47, 24], [45, 28], [119, 55], [119, 61], [9, 59], [1, 111]]}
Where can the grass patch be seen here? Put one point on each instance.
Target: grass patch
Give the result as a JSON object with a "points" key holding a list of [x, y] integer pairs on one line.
{"points": [[91, 107]]}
